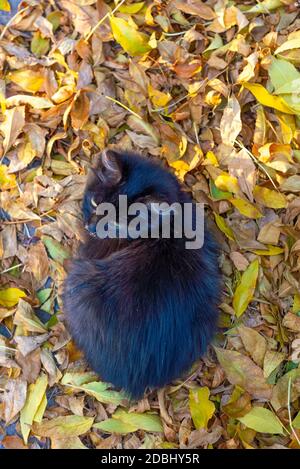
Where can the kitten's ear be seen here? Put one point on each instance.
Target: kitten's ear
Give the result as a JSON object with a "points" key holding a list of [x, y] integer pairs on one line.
{"points": [[109, 168]]}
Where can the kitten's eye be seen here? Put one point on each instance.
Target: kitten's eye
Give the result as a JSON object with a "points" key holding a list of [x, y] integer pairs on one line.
{"points": [[93, 203]]}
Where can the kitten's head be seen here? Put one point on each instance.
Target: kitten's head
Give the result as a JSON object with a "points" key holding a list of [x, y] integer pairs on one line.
{"points": [[125, 173]]}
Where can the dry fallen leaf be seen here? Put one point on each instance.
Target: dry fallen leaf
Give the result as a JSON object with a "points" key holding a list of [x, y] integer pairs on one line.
{"points": [[211, 90]]}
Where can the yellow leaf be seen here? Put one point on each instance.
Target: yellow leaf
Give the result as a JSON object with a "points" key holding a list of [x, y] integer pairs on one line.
{"points": [[272, 360], [28, 80], [288, 45], [41, 409], [225, 182], [267, 99], [201, 408], [10, 297], [131, 9], [56, 55], [246, 288], [271, 151], [222, 225], [26, 318], [64, 426], [7, 181], [36, 102], [158, 98], [249, 70], [265, 6], [296, 304], [245, 208], [5, 5], [26, 152], [211, 159], [182, 146], [269, 198], [181, 167], [213, 98], [132, 41], [34, 399], [271, 251], [63, 93]]}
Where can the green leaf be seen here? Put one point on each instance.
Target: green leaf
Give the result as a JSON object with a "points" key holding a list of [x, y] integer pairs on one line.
{"points": [[283, 74], [126, 422], [57, 252], [44, 294], [246, 288], [54, 18], [9, 297], [143, 421], [39, 44], [78, 378], [100, 392], [115, 426], [262, 420], [201, 408], [216, 43], [296, 421], [218, 194], [132, 41]]}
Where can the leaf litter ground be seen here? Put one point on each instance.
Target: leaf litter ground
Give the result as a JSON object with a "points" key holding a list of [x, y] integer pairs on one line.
{"points": [[212, 89]]}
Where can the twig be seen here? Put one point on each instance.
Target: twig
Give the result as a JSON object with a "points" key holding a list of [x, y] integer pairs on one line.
{"points": [[123, 106], [196, 133], [11, 268], [242, 147], [176, 34], [88, 36], [12, 20]]}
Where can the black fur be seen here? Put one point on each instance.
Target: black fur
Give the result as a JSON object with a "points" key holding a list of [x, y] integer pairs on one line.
{"points": [[141, 310]]}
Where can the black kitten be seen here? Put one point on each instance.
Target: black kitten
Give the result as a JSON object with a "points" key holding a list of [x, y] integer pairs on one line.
{"points": [[142, 310]]}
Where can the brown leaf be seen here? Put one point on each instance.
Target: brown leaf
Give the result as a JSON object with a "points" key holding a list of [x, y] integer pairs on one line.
{"points": [[38, 262], [254, 343], [80, 111], [292, 322], [26, 344], [31, 365], [12, 126], [195, 7], [13, 442], [231, 125], [14, 398], [240, 370]]}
